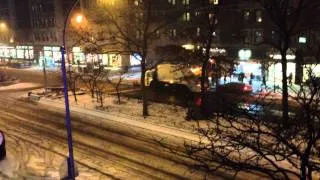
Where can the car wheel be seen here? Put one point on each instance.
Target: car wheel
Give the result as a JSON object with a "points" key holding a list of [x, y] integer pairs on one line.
{"points": [[153, 85], [2, 147]]}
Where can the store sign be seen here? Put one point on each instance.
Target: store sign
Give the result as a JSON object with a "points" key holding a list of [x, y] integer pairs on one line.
{"points": [[51, 48], [302, 40], [24, 47], [115, 60], [244, 54], [76, 49], [188, 46], [278, 56]]}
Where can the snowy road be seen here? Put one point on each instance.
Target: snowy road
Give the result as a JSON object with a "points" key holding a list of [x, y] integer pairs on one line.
{"points": [[36, 144]]}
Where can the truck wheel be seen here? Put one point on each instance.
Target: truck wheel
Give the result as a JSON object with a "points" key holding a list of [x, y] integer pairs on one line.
{"points": [[154, 85]]}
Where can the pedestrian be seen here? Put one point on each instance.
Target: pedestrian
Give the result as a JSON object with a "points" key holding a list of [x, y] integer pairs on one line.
{"points": [[251, 78], [290, 78], [241, 76]]}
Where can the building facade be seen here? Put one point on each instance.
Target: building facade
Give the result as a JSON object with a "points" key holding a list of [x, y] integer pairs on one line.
{"points": [[242, 27], [36, 27]]}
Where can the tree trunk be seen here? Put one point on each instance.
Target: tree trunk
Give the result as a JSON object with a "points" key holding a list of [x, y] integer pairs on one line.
{"points": [[303, 168], [92, 93], [143, 89], [74, 92], [264, 72], [309, 171], [74, 89], [118, 94], [101, 98], [285, 105], [299, 67]]}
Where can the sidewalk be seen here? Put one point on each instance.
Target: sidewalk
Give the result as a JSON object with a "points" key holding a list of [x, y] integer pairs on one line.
{"points": [[104, 116]]}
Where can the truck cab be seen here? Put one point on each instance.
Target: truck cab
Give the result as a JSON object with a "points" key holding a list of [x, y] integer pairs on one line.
{"points": [[175, 77]]}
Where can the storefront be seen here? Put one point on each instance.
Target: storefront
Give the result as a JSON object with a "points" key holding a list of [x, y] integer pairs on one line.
{"points": [[78, 57], [107, 60], [275, 72], [248, 65], [7, 52], [24, 52], [17, 54], [51, 55]]}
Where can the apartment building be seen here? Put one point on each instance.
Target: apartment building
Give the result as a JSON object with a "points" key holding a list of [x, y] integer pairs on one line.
{"points": [[242, 27], [37, 28]]}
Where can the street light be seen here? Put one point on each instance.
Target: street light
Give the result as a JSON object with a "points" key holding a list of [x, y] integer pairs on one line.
{"points": [[79, 18], [71, 169], [3, 26]]}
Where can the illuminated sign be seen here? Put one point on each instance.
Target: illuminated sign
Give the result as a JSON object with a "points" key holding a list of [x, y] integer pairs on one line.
{"points": [[302, 40], [244, 54]]}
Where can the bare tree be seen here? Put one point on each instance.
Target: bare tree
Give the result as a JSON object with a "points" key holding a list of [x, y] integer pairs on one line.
{"points": [[116, 83], [73, 80], [286, 17], [208, 22], [101, 90], [204, 32], [94, 76], [133, 28], [249, 140]]}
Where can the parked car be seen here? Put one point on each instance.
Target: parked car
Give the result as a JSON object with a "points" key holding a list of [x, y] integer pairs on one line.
{"points": [[234, 87], [227, 98], [2, 146]]}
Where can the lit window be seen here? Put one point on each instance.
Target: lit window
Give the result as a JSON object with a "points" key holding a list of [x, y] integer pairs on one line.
{"points": [[173, 2], [258, 36], [185, 2], [186, 16], [210, 15], [173, 32], [138, 34], [198, 31], [216, 2], [247, 36], [259, 16], [158, 33], [136, 2], [246, 15], [273, 34]]}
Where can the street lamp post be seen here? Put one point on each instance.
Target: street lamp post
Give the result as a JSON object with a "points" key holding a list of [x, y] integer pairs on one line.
{"points": [[71, 169]]}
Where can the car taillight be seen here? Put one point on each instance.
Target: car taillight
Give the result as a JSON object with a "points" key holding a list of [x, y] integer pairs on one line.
{"points": [[245, 88], [198, 101]]}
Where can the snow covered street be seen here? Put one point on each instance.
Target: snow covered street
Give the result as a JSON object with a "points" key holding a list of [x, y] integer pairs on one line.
{"points": [[36, 145]]}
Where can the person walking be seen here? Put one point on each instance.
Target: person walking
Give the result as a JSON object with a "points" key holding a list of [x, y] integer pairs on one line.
{"points": [[290, 78], [251, 78], [241, 76]]}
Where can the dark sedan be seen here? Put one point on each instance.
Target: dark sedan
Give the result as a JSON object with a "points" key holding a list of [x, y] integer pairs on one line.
{"points": [[226, 98], [235, 88]]}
